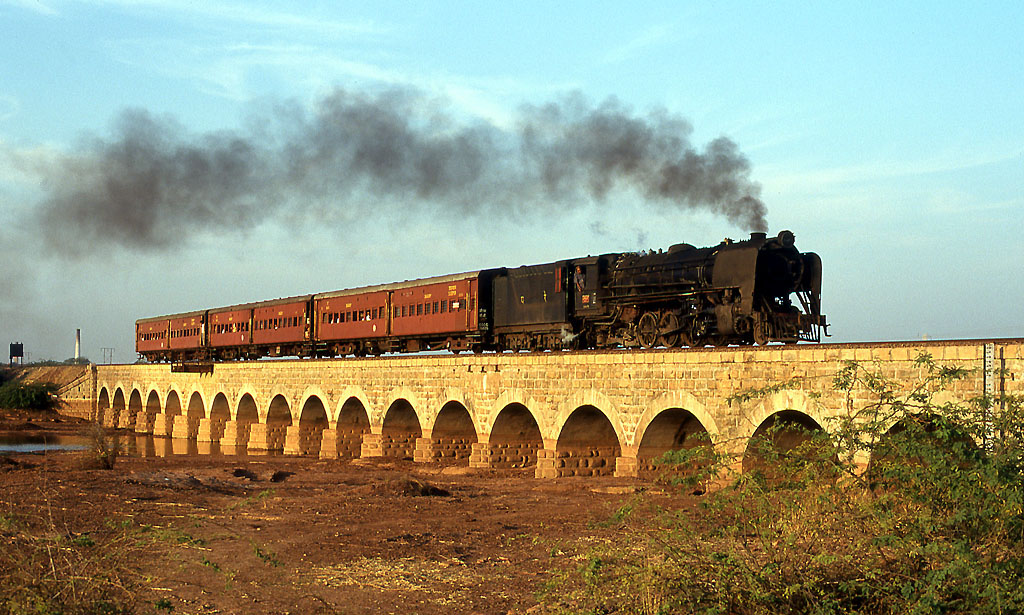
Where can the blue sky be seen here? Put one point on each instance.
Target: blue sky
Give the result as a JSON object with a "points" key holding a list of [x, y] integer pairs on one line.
{"points": [[888, 136]]}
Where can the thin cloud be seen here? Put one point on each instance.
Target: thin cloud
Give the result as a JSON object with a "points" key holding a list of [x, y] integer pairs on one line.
{"points": [[9, 107], [31, 5], [652, 37], [229, 13]]}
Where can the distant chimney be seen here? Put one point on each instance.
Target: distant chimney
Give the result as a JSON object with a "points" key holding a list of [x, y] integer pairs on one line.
{"points": [[78, 344]]}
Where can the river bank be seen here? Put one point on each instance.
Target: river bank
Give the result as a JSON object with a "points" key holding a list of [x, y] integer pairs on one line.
{"points": [[243, 534]]}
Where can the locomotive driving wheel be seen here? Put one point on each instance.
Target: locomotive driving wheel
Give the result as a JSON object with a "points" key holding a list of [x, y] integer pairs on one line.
{"points": [[669, 328], [647, 330], [760, 333]]}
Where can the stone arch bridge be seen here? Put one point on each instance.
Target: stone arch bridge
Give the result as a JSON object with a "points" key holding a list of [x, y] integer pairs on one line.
{"points": [[583, 414]]}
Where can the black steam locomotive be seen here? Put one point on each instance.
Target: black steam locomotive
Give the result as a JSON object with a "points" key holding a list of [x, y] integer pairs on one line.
{"points": [[733, 293], [738, 292]]}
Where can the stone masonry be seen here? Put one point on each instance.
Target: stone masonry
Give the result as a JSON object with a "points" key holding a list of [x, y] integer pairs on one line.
{"points": [[589, 413]]}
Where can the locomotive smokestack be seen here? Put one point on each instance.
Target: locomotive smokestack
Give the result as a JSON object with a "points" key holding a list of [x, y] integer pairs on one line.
{"points": [[78, 344], [152, 181]]}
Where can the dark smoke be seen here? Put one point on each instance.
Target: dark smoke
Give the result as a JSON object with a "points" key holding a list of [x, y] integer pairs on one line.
{"points": [[152, 185]]}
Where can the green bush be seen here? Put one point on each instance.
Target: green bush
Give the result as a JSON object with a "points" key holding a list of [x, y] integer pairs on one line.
{"points": [[37, 396], [935, 523]]}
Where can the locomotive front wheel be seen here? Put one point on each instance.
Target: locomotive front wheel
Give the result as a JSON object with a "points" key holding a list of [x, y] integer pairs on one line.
{"points": [[669, 322], [647, 330]]}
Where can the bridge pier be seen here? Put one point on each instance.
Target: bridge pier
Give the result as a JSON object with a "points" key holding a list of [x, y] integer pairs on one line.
{"points": [[259, 438], [329, 443], [204, 431], [162, 425], [126, 420], [372, 445], [234, 434], [480, 455], [142, 423], [182, 428], [546, 463], [627, 467], [293, 440], [423, 451]]}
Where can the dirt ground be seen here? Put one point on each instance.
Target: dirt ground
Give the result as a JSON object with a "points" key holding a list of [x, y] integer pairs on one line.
{"points": [[251, 534]]}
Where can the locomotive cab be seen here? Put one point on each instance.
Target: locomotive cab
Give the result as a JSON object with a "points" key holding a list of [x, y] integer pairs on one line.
{"points": [[585, 286]]}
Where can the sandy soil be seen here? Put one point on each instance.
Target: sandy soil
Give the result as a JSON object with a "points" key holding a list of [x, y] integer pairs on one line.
{"points": [[218, 535]]}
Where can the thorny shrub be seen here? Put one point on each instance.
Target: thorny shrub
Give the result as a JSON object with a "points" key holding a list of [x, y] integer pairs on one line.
{"points": [[934, 524], [106, 446], [45, 567]]}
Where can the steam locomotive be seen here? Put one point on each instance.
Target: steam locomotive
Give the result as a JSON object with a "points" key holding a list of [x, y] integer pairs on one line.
{"points": [[738, 292]]}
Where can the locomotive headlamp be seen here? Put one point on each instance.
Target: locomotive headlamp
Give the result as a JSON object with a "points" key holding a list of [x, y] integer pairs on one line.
{"points": [[787, 239]]}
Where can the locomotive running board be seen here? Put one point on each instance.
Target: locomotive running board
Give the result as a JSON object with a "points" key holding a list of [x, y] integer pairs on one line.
{"points": [[191, 368]]}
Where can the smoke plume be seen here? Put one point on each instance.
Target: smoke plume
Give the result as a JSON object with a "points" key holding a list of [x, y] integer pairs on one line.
{"points": [[152, 185]]}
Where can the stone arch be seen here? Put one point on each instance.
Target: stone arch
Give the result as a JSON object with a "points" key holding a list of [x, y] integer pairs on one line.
{"points": [[892, 456], [453, 434], [672, 429], [512, 397], [163, 424], [246, 413], [400, 429], [195, 412], [102, 405], [117, 407], [676, 399], [782, 438], [590, 398], [253, 397], [514, 438], [172, 406], [279, 418], [220, 408], [940, 398], [219, 415], [347, 394], [797, 401], [312, 422], [277, 396], [352, 423], [452, 394], [313, 391], [134, 408], [153, 405], [588, 444], [402, 394]]}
